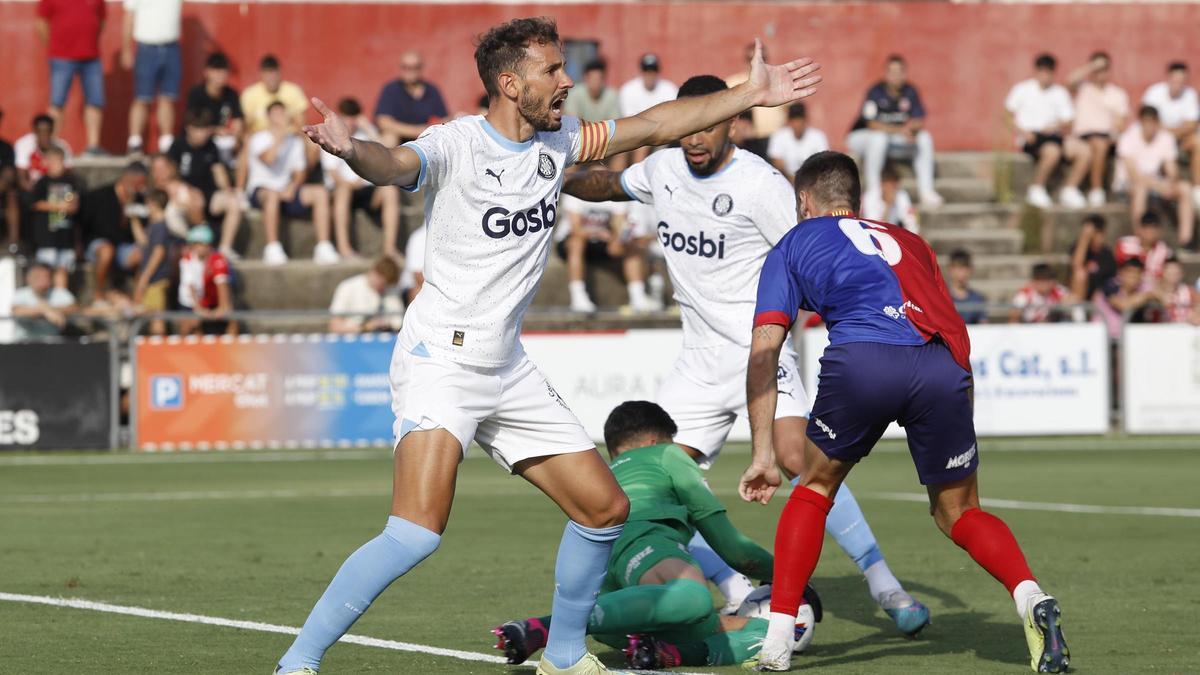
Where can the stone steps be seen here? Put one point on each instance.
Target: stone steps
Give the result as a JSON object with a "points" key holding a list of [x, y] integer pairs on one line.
{"points": [[978, 242]]}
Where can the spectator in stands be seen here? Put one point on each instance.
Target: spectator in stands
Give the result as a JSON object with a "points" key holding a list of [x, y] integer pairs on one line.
{"points": [[275, 184], [595, 101], [56, 198], [1146, 165], [351, 192], [105, 217], [890, 202], [796, 141], [30, 151], [367, 302], [1179, 112], [599, 232], [1128, 299], [1180, 301], [198, 159], [205, 286], [221, 101], [41, 307], [766, 121], [185, 203], [1092, 260], [1041, 300], [970, 303], [1147, 245], [10, 212], [743, 135], [892, 124], [1039, 112], [645, 91], [272, 88], [413, 277], [160, 252], [71, 30], [1101, 109], [154, 25], [408, 104]]}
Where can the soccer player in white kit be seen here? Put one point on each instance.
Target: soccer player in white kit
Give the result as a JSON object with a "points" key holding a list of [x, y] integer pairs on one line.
{"points": [[458, 371], [720, 209]]}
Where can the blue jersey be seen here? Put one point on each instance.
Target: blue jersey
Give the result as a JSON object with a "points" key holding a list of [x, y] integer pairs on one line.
{"points": [[870, 282]]}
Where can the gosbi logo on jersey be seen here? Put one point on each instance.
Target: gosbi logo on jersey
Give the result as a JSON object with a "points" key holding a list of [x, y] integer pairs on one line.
{"points": [[498, 223], [696, 244]]}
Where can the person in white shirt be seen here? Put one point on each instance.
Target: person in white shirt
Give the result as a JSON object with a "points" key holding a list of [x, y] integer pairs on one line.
{"points": [[41, 307], [643, 92], [1146, 164], [1039, 112], [367, 302], [597, 232], [459, 371], [1179, 111], [795, 142], [275, 184], [890, 203], [29, 151], [154, 25], [351, 192], [413, 276]]}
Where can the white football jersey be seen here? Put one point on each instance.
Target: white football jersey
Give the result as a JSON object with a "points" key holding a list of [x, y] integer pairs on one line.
{"points": [[715, 232], [490, 206]]}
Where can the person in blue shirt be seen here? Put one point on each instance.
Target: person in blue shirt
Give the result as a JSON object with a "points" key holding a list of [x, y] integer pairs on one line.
{"points": [[898, 352], [409, 104], [892, 124], [970, 303]]}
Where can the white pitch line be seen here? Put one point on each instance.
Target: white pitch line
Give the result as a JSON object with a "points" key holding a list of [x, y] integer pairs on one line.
{"points": [[362, 640], [221, 457], [188, 495], [1047, 506]]}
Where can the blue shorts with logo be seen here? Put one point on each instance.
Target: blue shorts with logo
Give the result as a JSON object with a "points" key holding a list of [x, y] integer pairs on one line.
{"points": [[865, 386]]}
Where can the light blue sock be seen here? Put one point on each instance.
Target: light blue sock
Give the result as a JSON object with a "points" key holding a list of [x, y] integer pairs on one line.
{"points": [[360, 580], [578, 573], [850, 530], [714, 568]]}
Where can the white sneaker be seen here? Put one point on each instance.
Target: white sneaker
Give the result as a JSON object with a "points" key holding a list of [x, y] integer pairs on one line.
{"points": [[1071, 198], [931, 200], [1037, 196], [648, 305], [582, 304], [273, 254], [325, 254], [1096, 198], [806, 623], [774, 656]]}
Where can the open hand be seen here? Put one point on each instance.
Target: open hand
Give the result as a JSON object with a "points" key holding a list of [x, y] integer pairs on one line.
{"points": [[758, 483], [333, 135], [782, 84]]}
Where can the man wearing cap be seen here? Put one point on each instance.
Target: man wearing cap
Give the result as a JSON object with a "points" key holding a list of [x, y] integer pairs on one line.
{"points": [[204, 286], [644, 92]]}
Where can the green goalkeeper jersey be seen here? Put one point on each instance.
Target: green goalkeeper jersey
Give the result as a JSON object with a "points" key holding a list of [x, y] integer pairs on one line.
{"points": [[665, 485]]}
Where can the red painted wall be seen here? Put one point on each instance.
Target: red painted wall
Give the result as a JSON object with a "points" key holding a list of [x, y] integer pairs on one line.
{"points": [[962, 57]]}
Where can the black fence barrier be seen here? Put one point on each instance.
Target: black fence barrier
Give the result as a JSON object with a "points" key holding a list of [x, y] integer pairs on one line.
{"points": [[56, 395]]}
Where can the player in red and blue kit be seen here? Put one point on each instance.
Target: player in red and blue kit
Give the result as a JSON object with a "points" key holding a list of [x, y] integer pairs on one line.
{"points": [[898, 352]]}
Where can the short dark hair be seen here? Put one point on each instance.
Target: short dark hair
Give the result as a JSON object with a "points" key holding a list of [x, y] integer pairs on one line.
{"points": [[269, 62], [1150, 219], [503, 47], [218, 61], [350, 107], [135, 168], [275, 104], [387, 268], [1096, 220], [1043, 272], [797, 111], [1177, 65], [1045, 61], [38, 265], [896, 58], [42, 118], [1133, 262], [960, 256], [198, 117], [595, 64], [832, 178], [157, 197], [701, 85], [485, 101], [1148, 111], [889, 173], [633, 418]]}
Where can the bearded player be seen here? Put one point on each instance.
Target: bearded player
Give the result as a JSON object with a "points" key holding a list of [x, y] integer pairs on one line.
{"points": [[719, 210], [459, 372], [898, 352]]}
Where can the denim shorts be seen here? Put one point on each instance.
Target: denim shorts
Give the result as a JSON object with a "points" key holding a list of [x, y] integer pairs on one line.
{"points": [[62, 74], [156, 69]]}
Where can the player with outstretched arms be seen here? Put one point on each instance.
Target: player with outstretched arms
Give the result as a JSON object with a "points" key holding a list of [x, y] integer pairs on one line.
{"points": [[898, 351], [458, 371], [720, 209]]}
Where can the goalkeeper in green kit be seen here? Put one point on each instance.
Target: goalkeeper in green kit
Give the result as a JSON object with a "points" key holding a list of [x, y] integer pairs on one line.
{"points": [[655, 603]]}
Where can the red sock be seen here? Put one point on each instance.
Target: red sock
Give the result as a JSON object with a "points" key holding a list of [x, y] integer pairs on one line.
{"points": [[993, 546], [797, 547]]}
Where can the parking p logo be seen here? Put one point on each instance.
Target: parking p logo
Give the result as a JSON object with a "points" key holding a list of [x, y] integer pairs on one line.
{"points": [[166, 392]]}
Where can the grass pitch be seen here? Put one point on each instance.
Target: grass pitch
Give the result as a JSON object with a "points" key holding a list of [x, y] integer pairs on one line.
{"points": [[256, 537]]}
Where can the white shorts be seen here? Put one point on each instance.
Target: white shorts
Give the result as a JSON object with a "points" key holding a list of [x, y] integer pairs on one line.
{"points": [[512, 411], [706, 391]]}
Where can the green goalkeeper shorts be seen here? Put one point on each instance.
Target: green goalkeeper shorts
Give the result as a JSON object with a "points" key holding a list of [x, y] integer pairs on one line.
{"points": [[642, 545]]}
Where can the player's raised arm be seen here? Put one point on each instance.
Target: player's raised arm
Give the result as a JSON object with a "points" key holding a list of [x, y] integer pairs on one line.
{"points": [[759, 482], [768, 85], [372, 161]]}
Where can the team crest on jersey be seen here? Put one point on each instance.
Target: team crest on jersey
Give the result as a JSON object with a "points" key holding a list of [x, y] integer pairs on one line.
{"points": [[722, 205], [546, 167]]}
